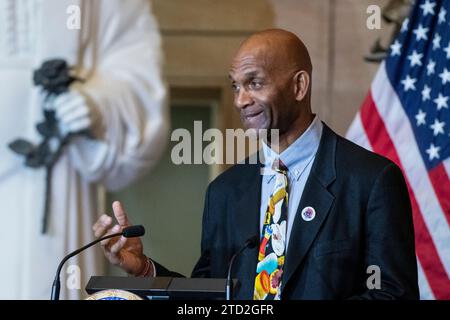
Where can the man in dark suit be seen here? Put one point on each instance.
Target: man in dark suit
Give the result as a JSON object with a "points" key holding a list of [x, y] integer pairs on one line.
{"points": [[329, 216]]}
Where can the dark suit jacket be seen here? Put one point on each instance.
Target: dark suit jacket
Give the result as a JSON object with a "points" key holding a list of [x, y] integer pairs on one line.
{"points": [[363, 218]]}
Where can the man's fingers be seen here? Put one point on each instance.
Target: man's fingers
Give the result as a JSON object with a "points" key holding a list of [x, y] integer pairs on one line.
{"points": [[97, 224], [103, 228], [116, 247], [102, 220], [110, 241], [105, 242], [102, 225], [120, 214]]}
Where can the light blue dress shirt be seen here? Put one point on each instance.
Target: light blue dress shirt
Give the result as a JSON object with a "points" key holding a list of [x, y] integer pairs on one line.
{"points": [[298, 158]]}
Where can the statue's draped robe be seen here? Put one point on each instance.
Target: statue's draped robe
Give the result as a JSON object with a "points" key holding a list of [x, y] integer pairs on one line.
{"points": [[117, 51]]}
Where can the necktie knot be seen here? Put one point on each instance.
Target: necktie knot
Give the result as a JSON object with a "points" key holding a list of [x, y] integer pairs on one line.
{"points": [[279, 166]]}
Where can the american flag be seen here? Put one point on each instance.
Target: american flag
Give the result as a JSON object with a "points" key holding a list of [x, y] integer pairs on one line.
{"points": [[406, 117]]}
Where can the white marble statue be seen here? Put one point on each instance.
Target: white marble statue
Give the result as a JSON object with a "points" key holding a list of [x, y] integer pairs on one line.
{"points": [[121, 102]]}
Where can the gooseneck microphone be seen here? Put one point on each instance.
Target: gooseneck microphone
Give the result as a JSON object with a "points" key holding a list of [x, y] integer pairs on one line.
{"points": [[249, 244], [128, 232]]}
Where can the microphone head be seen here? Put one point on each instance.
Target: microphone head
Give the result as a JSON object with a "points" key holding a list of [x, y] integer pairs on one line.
{"points": [[133, 231], [252, 241]]}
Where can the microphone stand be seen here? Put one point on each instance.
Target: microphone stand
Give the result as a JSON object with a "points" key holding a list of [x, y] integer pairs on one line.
{"points": [[250, 243], [128, 232], [56, 287]]}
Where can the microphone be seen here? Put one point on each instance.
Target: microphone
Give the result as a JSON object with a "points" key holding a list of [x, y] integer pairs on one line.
{"points": [[133, 231], [128, 232], [249, 244]]}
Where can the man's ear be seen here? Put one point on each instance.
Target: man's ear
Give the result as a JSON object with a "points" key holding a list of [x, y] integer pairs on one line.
{"points": [[302, 83]]}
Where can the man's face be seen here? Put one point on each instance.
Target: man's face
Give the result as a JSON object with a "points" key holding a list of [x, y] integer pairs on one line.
{"points": [[263, 95]]}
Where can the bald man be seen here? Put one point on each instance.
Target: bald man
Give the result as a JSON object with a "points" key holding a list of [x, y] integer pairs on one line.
{"points": [[333, 220]]}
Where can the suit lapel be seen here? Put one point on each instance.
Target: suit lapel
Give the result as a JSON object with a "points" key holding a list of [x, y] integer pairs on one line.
{"points": [[246, 208], [245, 217], [317, 196]]}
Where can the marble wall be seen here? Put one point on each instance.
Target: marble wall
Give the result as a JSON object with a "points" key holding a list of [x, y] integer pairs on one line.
{"points": [[200, 37]]}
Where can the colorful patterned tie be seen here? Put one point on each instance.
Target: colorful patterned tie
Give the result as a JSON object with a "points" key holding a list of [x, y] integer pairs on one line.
{"points": [[272, 247]]}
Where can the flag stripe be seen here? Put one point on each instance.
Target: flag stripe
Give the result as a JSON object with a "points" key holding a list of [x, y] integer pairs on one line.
{"points": [[409, 103], [441, 184], [425, 249], [357, 134], [425, 290], [447, 167], [398, 127]]}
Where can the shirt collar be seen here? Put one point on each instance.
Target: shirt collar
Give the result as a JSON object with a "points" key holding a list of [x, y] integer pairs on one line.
{"points": [[299, 154]]}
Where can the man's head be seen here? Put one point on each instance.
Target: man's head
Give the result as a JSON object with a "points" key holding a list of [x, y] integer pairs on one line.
{"points": [[271, 79]]}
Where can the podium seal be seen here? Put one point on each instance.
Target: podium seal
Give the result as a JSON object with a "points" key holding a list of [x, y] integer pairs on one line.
{"points": [[113, 294]]}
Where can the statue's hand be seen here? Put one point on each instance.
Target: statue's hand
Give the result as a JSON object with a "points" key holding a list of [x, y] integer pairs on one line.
{"points": [[76, 113]]}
